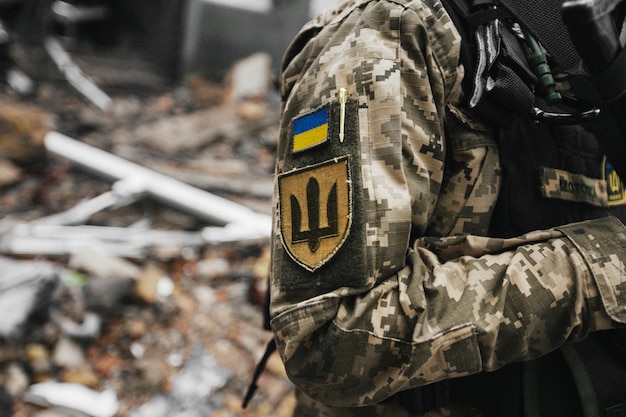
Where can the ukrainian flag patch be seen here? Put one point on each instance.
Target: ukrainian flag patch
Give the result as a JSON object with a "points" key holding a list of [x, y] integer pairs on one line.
{"points": [[310, 130]]}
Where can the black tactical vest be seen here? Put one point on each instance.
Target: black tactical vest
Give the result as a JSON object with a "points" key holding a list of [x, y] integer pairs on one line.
{"points": [[548, 177], [554, 174], [585, 377]]}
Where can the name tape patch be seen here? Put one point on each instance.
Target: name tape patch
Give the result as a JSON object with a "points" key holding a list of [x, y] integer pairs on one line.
{"points": [[563, 185]]}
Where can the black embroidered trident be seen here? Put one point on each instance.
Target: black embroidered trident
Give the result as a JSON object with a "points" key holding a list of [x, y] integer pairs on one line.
{"points": [[315, 233]]}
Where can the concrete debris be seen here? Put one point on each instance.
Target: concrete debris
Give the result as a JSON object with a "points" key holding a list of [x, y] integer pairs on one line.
{"points": [[49, 236], [23, 127], [42, 239], [104, 295], [135, 244], [75, 76], [207, 206], [74, 397], [19, 82], [191, 389], [68, 12], [261, 6], [250, 77], [15, 380], [200, 377], [87, 328], [25, 288], [68, 354], [151, 283], [102, 265], [212, 269], [123, 192], [9, 173]]}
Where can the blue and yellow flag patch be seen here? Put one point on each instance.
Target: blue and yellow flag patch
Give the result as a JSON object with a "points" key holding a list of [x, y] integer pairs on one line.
{"points": [[310, 130], [615, 186]]}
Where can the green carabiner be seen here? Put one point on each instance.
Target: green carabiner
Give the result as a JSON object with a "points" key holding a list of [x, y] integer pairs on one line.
{"points": [[539, 63]]}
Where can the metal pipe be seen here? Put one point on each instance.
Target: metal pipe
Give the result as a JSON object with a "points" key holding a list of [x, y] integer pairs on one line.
{"points": [[75, 76], [214, 209]]}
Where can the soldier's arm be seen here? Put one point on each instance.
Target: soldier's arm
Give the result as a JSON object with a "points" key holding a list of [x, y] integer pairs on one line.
{"points": [[435, 320], [361, 309]]}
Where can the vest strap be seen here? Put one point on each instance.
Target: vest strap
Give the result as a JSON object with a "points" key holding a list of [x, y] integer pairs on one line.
{"points": [[530, 378], [611, 83], [271, 347], [487, 15], [584, 384]]}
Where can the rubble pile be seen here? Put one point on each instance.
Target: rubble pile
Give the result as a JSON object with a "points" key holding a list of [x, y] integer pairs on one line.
{"points": [[164, 321]]}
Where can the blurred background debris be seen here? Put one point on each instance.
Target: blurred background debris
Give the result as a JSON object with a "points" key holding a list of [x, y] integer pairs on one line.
{"points": [[133, 271]]}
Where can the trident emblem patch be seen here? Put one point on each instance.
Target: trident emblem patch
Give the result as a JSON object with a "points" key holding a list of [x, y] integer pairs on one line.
{"points": [[315, 211]]}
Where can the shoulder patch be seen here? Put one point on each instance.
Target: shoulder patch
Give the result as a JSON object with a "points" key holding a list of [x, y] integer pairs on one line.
{"points": [[322, 238], [316, 211]]}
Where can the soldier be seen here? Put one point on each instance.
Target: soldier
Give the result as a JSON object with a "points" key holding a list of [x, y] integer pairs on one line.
{"points": [[442, 246]]}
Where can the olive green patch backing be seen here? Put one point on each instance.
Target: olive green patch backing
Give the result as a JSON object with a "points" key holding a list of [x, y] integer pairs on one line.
{"points": [[347, 266]]}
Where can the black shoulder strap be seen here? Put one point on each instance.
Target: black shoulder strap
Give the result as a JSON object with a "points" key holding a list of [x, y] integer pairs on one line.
{"points": [[269, 349], [548, 27], [511, 92]]}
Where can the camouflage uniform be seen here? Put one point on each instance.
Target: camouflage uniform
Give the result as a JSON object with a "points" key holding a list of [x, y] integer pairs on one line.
{"points": [[381, 281]]}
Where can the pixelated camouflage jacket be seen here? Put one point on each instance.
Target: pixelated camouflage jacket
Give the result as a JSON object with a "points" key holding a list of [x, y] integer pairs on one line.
{"points": [[380, 280]]}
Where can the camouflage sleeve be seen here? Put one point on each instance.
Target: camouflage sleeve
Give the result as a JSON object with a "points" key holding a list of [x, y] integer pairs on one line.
{"points": [[364, 302]]}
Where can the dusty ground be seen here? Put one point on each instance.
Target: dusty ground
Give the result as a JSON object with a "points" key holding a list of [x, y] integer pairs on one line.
{"points": [[150, 340]]}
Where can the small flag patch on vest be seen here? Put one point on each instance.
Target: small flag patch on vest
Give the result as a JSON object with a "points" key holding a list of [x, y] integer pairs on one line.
{"points": [[615, 186], [310, 130]]}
